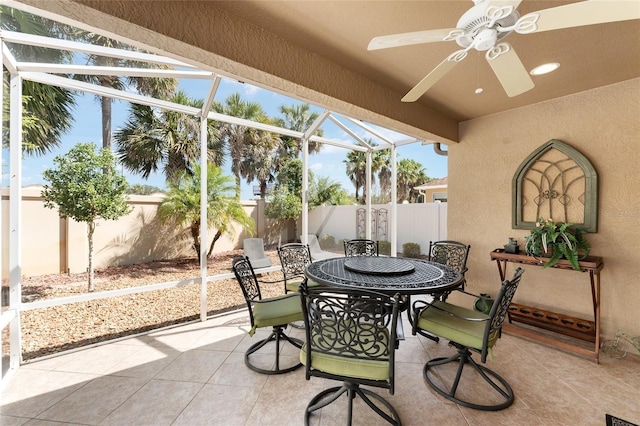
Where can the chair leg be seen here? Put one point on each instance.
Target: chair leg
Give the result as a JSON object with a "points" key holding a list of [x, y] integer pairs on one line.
{"points": [[410, 314], [463, 357], [276, 335], [328, 396]]}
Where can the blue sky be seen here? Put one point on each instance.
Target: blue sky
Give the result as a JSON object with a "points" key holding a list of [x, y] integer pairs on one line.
{"points": [[329, 162]]}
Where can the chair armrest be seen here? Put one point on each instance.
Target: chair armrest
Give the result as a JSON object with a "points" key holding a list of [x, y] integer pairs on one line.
{"points": [[271, 299], [475, 319], [477, 296]]}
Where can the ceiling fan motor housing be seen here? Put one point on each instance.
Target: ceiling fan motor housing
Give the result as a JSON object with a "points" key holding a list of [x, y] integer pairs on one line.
{"points": [[475, 24]]}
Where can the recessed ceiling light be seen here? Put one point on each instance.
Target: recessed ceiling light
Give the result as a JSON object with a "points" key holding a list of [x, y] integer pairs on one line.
{"points": [[545, 68]]}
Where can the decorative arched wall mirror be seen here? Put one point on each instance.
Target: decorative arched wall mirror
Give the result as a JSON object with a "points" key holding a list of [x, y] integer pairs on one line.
{"points": [[555, 182]]}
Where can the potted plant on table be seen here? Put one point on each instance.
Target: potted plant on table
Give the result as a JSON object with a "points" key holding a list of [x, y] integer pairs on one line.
{"points": [[557, 241]]}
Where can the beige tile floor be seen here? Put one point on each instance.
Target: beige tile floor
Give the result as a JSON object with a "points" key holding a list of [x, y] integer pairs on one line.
{"points": [[195, 375]]}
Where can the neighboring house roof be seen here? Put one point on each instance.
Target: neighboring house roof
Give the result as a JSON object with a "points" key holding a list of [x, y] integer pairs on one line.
{"points": [[434, 184]]}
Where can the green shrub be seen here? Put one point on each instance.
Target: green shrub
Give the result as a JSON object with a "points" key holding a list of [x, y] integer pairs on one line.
{"points": [[384, 247], [327, 241], [411, 250]]}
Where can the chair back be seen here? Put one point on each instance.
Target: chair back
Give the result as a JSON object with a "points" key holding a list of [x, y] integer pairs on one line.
{"points": [[346, 326], [360, 247], [294, 258], [451, 253], [499, 310], [254, 250], [314, 244], [248, 281]]}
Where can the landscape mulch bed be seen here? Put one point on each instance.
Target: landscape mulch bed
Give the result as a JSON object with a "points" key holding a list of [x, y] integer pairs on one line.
{"points": [[51, 330]]}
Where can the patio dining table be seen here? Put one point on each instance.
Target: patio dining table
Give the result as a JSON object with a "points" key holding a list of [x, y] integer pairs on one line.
{"points": [[390, 275]]}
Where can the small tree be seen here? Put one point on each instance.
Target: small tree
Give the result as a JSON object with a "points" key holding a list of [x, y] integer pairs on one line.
{"points": [[284, 205], [285, 202], [224, 210], [86, 186]]}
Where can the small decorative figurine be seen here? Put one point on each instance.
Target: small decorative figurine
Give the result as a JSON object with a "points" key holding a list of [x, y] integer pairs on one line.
{"points": [[512, 246]]}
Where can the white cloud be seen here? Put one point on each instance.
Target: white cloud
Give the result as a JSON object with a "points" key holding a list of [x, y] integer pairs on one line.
{"points": [[332, 149], [250, 90], [316, 166]]}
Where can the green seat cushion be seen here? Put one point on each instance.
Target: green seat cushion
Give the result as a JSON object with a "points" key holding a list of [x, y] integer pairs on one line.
{"points": [[277, 311], [467, 333], [353, 363], [294, 284]]}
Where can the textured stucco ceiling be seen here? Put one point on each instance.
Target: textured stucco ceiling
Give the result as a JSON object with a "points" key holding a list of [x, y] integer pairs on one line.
{"points": [[317, 50]]}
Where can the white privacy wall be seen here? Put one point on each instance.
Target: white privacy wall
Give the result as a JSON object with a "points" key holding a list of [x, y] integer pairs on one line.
{"points": [[417, 223]]}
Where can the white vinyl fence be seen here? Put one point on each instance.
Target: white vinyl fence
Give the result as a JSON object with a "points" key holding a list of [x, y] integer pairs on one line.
{"points": [[417, 223]]}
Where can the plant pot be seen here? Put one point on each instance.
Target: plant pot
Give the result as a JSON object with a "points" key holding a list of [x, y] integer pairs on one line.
{"points": [[483, 303], [547, 253]]}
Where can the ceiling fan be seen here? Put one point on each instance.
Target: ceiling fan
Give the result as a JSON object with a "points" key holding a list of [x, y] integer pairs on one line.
{"points": [[489, 21]]}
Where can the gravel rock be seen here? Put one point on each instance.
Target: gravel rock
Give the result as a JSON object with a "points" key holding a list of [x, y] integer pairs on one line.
{"points": [[51, 330]]}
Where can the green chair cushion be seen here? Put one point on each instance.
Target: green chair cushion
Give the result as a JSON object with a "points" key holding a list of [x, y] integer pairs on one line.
{"points": [[467, 333], [349, 364], [294, 284], [277, 311]]}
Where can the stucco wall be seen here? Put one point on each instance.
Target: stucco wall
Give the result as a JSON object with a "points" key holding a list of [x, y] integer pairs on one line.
{"points": [[51, 245], [603, 124]]}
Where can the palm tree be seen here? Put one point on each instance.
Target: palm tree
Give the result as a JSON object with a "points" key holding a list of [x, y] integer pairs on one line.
{"points": [[153, 139], [161, 88], [410, 174], [383, 159], [323, 190], [298, 118], [357, 168], [182, 205], [237, 137], [47, 110], [260, 159]]}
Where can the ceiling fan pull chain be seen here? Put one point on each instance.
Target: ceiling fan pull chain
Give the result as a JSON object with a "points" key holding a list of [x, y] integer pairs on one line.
{"points": [[478, 88]]}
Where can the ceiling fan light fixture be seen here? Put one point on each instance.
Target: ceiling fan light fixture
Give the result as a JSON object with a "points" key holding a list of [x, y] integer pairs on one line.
{"points": [[545, 68]]}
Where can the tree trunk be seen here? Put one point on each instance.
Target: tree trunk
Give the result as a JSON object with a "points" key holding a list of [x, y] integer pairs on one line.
{"points": [[195, 234], [238, 183], [91, 228], [213, 243], [263, 189], [106, 121]]}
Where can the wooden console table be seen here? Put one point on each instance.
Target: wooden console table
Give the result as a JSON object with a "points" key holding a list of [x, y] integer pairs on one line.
{"points": [[576, 328]]}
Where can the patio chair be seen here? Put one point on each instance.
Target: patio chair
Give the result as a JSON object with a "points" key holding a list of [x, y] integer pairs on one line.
{"points": [[360, 247], [294, 258], [350, 337], [450, 253], [316, 251], [468, 330], [275, 312], [254, 250], [453, 254]]}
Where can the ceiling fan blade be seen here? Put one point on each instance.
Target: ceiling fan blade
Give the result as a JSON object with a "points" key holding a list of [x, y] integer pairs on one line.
{"points": [[503, 3], [406, 39], [506, 65], [436, 74], [501, 8], [585, 13]]}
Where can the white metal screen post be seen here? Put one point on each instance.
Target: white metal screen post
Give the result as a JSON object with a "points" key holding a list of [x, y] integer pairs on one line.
{"points": [[204, 194], [394, 202], [204, 223], [308, 134], [15, 216], [367, 222]]}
